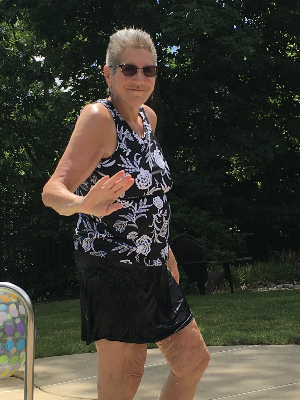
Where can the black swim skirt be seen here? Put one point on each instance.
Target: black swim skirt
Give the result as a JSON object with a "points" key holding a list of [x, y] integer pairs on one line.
{"points": [[128, 303]]}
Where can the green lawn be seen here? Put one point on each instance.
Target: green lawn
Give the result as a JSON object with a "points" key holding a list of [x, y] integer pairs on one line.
{"points": [[58, 329], [224, 319], [245, 317]]}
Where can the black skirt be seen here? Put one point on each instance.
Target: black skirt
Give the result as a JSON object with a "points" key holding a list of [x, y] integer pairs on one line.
{"points": [[128, 303]]}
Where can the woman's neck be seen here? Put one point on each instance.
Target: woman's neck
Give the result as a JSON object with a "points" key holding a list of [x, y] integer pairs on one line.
{"points": [[130, 114]]}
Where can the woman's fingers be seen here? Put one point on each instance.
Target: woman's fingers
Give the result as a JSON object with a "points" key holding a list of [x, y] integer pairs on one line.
{"points": [[101, 199], [113, 207], [122, 185], [117, 184]]}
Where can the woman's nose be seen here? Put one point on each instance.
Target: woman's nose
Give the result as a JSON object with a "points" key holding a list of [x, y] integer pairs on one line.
{"points": [[139, 75]]}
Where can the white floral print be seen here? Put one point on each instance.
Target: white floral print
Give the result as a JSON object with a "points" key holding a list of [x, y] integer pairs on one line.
{"points": [[132, 235], [165, 252], [157, 201], [159, 159], [144, 179], [143, 245], [120, 226], [139, 232]]}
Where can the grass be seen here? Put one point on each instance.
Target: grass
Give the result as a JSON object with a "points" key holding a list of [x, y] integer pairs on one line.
{"points": [[224, 319], [246, 317], [58, 329]]}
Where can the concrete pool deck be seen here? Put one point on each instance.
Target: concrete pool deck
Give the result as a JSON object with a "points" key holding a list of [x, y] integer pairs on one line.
{"points": [[243, 372]]}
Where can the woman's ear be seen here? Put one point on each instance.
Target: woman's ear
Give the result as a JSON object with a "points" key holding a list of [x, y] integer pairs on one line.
{"points": [[107, 74]]}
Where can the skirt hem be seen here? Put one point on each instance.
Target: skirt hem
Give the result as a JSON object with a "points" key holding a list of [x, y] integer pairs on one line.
{"points": [[137, 341]]}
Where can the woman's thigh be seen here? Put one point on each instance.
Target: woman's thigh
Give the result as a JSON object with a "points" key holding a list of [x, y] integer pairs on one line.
{"points": [[185, 350]]}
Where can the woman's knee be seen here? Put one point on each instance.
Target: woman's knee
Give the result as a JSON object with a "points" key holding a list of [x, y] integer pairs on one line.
{"points": [[186, 352], [132, 372], [202, 362], [193, 365]]}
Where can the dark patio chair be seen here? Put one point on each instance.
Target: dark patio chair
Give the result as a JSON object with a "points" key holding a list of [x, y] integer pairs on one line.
{"points": [[189, 255]]}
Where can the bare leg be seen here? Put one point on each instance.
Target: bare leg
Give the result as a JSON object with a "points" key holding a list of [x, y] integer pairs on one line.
{"points": [[188, 357], [120, 369]]}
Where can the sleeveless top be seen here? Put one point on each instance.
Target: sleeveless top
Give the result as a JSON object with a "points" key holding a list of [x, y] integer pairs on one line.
{"points": [[139, 232]]}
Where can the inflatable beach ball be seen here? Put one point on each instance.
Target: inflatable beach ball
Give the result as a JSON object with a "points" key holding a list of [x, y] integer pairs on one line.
{"points": [[12, 333]]}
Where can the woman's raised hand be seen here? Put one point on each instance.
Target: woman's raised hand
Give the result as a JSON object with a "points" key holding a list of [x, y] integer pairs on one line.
{"points": [[101, 199]]}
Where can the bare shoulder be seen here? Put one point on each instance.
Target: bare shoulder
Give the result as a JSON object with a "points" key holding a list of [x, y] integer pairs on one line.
{"points": [[95, 127], [152, 118], [95, 113]]}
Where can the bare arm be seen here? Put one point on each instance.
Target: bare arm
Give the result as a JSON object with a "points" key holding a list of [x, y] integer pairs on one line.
{"points": [[172, 265], [93, 138]]}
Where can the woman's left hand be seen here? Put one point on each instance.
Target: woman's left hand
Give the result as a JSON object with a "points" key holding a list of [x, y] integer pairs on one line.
{"points": [[172, 266]]}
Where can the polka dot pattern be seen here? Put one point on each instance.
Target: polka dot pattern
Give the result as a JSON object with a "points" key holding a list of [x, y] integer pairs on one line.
{"points": [[12, 333]]}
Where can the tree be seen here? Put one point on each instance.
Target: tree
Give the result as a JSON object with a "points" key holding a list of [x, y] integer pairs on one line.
{"points": [[227, 98], [232, 94]]}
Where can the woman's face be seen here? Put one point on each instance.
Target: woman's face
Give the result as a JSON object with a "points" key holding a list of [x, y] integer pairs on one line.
{"points": [[136, 89]]}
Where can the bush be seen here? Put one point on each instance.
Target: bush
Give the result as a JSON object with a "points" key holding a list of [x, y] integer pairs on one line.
{"points": [[284, 267]]}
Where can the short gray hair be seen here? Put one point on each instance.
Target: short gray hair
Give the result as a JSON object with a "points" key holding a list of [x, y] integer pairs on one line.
{"points": [[126, 38]]}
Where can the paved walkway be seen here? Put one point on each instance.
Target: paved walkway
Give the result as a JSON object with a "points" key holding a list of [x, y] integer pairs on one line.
{"points": [[242, 372]]}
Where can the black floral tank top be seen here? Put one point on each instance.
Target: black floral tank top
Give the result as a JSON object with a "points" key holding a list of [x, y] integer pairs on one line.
{"points": [[139, 232]]}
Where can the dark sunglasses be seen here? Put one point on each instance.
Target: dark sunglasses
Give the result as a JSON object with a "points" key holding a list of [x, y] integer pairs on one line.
{"points": [[150, 71]]}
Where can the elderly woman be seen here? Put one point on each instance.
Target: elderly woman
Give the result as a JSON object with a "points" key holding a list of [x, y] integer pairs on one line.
{"points": [[114, 175]]}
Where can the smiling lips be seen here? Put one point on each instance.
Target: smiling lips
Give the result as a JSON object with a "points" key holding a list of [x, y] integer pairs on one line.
{"points": [[136, 89]]}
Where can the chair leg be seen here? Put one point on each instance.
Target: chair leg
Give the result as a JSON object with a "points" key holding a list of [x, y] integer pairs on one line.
{"points": [[201, 286], [209, 285], [228, 276], [230, 284]]}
